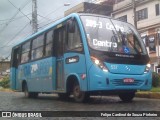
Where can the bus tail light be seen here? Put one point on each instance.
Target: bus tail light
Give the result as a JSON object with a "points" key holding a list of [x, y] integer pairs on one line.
{"points": [[147, 69], [99, 64]]}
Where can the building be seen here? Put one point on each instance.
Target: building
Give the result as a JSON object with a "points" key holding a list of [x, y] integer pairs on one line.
{"points": [[4, 67], [85, 7], [148, 23], [147, 13]]}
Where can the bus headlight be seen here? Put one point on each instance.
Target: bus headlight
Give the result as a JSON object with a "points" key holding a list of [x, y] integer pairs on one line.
{"points": [[147, 69], [99, 64]]}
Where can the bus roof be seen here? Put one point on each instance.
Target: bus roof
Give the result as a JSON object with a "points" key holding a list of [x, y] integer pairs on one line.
{"points": [[48, 28], [76, 15]]}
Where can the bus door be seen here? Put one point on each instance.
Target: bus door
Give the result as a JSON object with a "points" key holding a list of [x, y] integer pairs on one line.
{"points": [[59, 51], [14, 67]]}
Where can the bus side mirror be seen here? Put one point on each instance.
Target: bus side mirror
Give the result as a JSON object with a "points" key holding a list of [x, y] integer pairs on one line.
{"points": [[71, 25]]}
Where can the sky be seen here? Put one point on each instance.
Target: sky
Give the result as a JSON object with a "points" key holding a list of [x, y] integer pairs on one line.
{"points": [[16, 25]]}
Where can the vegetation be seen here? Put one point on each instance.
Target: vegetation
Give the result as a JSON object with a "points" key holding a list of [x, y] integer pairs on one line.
{"points": [[4, 82], [155, 80], [155, 89]]}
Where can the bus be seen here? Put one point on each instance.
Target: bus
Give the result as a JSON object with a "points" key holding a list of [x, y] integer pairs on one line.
{"points": [[82, 55]]}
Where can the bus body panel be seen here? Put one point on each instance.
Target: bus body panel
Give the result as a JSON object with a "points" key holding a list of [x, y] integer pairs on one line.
{"points": [[75, 65], [126, 69], [39, 75], [13, 78], [101, 80]]}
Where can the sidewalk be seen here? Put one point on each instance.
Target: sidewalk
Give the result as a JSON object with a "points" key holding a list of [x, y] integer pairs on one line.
{"points": [[152, 95]]}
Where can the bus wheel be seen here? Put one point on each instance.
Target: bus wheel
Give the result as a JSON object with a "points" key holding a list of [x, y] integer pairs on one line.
{"points": [[127, 97], [79, 96], [29, 94], [63, 95]]}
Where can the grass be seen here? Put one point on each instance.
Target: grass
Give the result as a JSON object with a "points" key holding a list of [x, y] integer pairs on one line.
{"points": [[155, 89], [5, 89]]}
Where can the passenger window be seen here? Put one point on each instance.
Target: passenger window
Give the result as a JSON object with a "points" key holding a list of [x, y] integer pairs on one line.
{"points": [[25, 52], [49, 41], [74, 40], [37, 47]]}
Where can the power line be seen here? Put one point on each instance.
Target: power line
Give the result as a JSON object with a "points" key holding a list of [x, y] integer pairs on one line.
{"points": [[15, 36], [27, 2], [19, 10], [13, 19], [51, 12], [44, 17], [50, 22]]}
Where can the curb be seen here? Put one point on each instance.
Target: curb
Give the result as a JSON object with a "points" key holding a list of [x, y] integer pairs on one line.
{"points": [[151, 95]]}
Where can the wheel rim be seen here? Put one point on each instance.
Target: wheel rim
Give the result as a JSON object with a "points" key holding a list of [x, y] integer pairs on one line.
{"points": [[26, 91], [78, 94]]}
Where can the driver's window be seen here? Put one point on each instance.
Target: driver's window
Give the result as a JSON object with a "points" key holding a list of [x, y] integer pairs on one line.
{"points": [[74, 40]]}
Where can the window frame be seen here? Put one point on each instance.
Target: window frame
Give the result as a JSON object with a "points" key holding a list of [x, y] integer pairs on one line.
{"points": [[67, 38], [123, 18], [51, 42], [23, 52], [142, 14], [43, 34], [157, 9]]}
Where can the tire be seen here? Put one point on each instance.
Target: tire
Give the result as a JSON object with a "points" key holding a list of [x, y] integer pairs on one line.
{"points": [[127, 97], [63, 96], [29, 94], [79, 96]]}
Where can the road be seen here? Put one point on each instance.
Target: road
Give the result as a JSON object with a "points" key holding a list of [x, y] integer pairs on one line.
{"points": [[15, 101]]}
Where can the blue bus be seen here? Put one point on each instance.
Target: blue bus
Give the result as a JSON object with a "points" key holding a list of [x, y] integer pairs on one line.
{"points": [[82, 55]]}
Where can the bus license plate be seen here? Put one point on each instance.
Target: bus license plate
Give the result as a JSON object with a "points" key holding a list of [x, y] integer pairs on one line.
{"points": [[128, 80]]}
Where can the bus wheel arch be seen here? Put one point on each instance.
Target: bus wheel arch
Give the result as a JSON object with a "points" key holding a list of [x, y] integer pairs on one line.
{"points": [[70, 83], [73, 86], [28, 94], [24, 83]]}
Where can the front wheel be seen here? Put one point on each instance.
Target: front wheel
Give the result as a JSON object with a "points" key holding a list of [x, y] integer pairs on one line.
{"points": [[127, 97], [79, 96], [28, 94]]}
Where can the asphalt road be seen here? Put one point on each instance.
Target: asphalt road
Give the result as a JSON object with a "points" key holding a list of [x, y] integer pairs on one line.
{"points": [[15, 101]]}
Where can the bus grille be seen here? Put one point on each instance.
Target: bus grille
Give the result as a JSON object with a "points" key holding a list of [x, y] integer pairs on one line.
{"points": [[119, 82]]}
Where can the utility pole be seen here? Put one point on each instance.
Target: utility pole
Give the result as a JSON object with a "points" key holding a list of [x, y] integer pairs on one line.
{"points": [[134, 13], [34, 16]]}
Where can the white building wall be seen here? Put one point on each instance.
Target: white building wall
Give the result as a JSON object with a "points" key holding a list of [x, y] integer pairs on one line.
{"points": [[151, 24], [152, 18], [121, 4]]}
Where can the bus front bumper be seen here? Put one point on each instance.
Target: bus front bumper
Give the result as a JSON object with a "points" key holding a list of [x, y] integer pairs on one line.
{"points": [[100, 80]]}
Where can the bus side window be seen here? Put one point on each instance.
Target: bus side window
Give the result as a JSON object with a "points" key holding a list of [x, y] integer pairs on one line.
{"points": [[25, 52], [49, 43], [37, 47], [74, 40]]}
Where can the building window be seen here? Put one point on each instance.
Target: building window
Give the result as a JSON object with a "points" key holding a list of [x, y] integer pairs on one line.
{"points": [[142, 14], [123, 18], [157, 9]]}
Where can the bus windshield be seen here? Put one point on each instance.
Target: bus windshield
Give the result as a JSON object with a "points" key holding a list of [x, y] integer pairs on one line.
{"points": [[110, 35]]}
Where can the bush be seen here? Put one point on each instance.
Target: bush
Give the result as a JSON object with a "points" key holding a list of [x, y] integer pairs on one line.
{"points": [[155, 79], [5, 82]]}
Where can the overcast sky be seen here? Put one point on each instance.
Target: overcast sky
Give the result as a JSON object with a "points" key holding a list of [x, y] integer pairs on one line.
{"points": [[15, 30]]}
